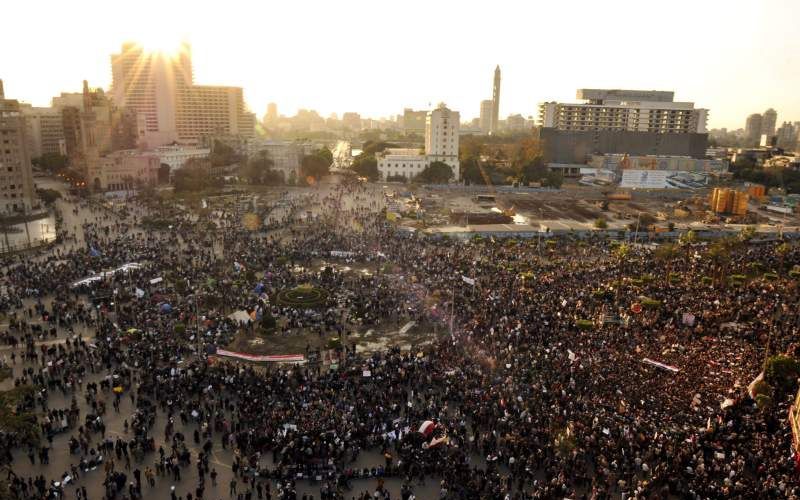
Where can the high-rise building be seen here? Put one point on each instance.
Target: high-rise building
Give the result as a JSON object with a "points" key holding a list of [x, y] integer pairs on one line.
{"points": [[786, 136], [351, 120], [45, 130], [414, 121], [487, 116], [768, 122], [206, 110], [612, 121], [625, 110], [441, 145], [752, 129], [441, 137], [160, 89], [150, 84], [496, 100], [272, 114], [16, 175]]}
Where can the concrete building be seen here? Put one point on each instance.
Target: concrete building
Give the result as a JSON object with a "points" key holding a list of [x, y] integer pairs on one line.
{"points": [[768, 122], [206, 110], [516, 123], [636, 122], [124, 170], [151, 84], [486, 117], [351, 120], [285, 155], [160, 89], [272, 114], [441, 144], [414, 121], [752, 129], [495, 101], [624, 110], [787, 136], [401, 162], [45, 130], [16, 177], [176, 156], [441, 137]]}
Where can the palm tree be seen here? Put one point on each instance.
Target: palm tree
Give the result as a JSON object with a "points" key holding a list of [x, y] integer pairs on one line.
{"points": [[720, 255], [782, 250], [621, 252], [667, 253]]}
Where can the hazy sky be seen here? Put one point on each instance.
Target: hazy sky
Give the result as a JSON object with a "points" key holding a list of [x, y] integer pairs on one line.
{"points": [[377, 57]]}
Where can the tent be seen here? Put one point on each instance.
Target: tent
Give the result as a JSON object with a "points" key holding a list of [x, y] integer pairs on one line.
{"points": [[165, 308], [239, 316]]}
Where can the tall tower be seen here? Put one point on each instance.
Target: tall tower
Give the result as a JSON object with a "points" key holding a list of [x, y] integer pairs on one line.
{"points": [[495, 100]]}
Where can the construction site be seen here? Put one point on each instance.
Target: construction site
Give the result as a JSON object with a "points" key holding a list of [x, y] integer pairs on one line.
{"points": [[585, 208]]}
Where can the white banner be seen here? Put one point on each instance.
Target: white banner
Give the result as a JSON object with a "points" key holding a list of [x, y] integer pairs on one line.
{"points": [[468, 281]]}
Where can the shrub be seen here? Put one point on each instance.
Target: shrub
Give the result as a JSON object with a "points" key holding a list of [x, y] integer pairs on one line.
{"points": [[601, 223], [648, 278], [770, 276], [674, 278], [305, 296], [180, 328], [781, 371], [649, 303], [585, 324], [707, 280], [795, 273], [334, 343]]}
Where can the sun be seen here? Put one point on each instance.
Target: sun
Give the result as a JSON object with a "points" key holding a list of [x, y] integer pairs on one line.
{"points": [[161, 41]]}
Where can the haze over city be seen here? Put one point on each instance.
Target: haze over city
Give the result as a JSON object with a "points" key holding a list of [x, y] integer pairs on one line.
{"points": [[733, 58], [399, 250]]}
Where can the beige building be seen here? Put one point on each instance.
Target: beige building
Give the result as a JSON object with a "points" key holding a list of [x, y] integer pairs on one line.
{"points": [[487, 108], [124, 170], [160, 89], [624, 110], [45, 130], [16, 177], [441, 137], [206, 110]]}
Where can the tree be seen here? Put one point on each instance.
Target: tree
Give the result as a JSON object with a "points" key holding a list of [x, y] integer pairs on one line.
{"points": [[781, 250], [326, 154], [622, 251], [48, 196], [259, 171], [52, 162], [314, 166], [667, 253], [193, 178], [163, 173], [366, 166], [223, 155], [436, 173]]}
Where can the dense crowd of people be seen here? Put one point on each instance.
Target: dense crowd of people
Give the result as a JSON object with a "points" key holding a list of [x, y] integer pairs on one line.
{"points": [[536, 389]]}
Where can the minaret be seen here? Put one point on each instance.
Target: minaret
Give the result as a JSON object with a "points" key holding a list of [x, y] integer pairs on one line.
{"points": [[495, 100]]}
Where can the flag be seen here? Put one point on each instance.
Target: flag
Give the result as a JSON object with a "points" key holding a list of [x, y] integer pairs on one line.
{"points": [[468, 281]]}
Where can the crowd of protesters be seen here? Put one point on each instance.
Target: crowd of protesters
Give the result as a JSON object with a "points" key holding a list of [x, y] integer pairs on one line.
{"points": [[525, 400]]}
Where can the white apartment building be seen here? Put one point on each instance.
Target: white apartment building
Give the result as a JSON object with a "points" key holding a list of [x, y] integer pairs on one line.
{"points": [[624, 110], [405, 162], [177, 156], [441, 137], [441, 144]]}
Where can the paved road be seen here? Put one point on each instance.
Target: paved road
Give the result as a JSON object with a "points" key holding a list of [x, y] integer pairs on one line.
{"points": [[60, 458]]}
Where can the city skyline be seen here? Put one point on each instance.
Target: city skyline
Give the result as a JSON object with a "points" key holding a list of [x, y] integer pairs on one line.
{"points": [[275, 60]]}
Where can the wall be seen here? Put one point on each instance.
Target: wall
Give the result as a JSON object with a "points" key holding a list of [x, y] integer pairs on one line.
{"points": [[575, 146]]}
